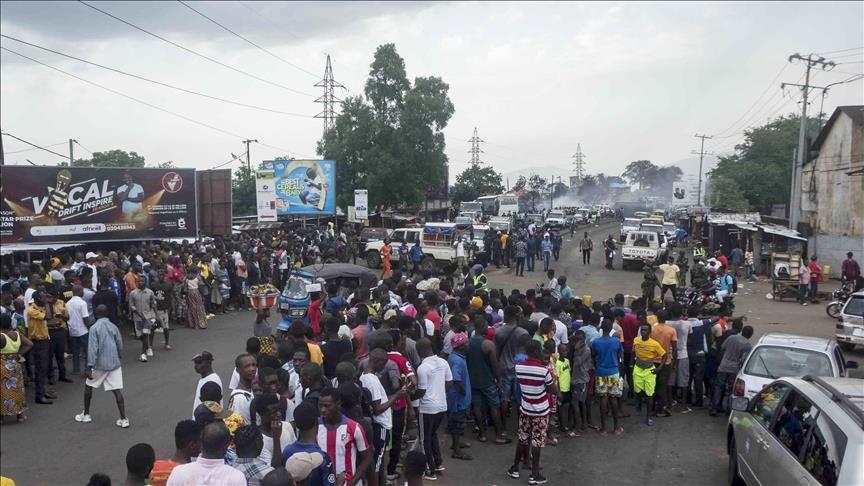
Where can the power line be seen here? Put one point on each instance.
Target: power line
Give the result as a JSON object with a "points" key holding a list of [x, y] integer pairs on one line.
{"points": [[85, 148], [196, 53], [841, 50], [166, 85], [770, 85], [118, 93], [65, 157], [34, 148], [247, 40]]}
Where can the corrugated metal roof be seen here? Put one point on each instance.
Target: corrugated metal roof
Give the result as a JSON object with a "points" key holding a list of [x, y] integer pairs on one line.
{"points": [[733, 218]]}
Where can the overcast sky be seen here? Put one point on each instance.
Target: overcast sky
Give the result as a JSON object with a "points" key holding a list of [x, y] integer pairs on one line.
{"points": [[627, 81]]}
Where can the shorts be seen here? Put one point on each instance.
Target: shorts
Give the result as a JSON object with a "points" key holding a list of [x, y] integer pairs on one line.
{"points": [[380, 440], [510, 388], [579, 391], [486, 396], [456, 422], [644, 380], [162, 319], [532, 430], [608, 386], [143, 327], [680, 377], [110, 380]]}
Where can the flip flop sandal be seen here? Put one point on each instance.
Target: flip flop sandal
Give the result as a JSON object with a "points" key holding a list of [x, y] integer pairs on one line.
{"points": [[482, 439], [602, 432], [573, 434], [619, 431], [503, 440]]}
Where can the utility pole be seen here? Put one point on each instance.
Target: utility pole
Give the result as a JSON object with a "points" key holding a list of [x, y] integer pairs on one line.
{"points": [[579, 163], [811, 60], [71, 151], [702, 154], [475, 149], [248, 159], [328, 98]]}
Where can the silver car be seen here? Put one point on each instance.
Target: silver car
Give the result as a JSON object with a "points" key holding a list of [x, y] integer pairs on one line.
{"points": [[850, 326], [806, 431]]}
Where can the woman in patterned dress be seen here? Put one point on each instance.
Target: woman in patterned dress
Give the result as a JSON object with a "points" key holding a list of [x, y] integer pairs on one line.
{"points": [[196, 315], [175, 276], [13, 344]]}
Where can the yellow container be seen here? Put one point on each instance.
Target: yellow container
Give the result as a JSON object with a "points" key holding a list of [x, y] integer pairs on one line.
{"points": [[586, 300], [826, 272]]}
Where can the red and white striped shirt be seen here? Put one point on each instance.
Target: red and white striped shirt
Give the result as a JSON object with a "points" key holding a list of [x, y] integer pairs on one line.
{"points": [[341, 444], [534, 378]]}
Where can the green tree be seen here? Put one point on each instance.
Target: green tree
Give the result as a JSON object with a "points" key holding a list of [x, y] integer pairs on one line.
{"points": [[535, 188], [392, 143], [243, 192], [112, 158], [761, 166], [640, 172], [476, 181], [725, 194]]}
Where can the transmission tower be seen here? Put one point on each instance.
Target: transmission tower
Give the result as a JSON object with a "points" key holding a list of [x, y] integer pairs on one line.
{"points": [[579, 163], [475, 148], [329, 97]]}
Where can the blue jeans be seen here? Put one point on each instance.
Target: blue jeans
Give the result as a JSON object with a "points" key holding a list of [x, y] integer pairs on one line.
{"points": [[79, 343], [546, 256], [530, 262], [722, 385]]}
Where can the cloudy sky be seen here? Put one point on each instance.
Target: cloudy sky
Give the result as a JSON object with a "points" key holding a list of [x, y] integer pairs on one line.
{"points": [[627, 81]]}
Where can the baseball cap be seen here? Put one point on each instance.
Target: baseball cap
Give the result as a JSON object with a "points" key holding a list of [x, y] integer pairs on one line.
{"points": [[458, 339], [90, 255], [390, 314], [301, 464], [209, 411], [203, 356]]}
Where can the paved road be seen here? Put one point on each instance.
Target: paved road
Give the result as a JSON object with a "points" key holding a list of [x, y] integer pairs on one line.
{"points": [[52, 449]]}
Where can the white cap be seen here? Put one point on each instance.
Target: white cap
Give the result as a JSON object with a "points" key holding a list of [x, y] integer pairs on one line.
{"points": [[90, 255]]}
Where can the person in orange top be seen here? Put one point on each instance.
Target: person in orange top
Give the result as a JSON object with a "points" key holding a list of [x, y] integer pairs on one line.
{"points": [[386, 251], [187, 440], [131, 281], [668, 339]]}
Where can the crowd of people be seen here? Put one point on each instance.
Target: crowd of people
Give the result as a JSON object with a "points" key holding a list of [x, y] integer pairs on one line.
{"points": [[374, 378]]}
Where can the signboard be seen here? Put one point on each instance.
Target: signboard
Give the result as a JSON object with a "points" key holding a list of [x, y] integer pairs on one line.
{"points": [[361, 204], [265, 195], [81, 204], [305, 187], [685, 192]]}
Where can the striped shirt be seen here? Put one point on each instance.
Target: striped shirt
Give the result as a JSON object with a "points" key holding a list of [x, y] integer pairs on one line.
{"points": [[341, 443], [534, 377]]}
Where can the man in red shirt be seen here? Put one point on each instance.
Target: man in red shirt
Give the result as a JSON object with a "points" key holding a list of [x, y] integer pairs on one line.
{"points": [[851, 272], [815, 278], [630, 329]]}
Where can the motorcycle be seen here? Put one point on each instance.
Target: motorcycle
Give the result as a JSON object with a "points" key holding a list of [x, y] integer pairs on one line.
{"points": [[838, 300], [706, 300]]}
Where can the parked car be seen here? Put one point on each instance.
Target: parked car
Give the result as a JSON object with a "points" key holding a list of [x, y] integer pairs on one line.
{"points": [[373, 234], [850, 325], [794, 431], [629, 224], [780, 355]]}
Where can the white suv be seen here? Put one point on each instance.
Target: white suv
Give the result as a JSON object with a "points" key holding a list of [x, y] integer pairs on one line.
{"points": [[779, 355], [850, 325]]}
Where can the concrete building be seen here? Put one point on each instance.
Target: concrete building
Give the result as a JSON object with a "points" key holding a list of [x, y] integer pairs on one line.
{"points": [[832, 189]]}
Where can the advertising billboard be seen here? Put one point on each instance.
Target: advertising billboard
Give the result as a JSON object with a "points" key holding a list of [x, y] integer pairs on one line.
{"points": [[361, 204], [265, 195], [686, 191], [305, 187], [81, 204]]}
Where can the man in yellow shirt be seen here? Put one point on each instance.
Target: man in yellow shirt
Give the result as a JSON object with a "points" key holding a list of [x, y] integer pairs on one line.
{"points": [[646, 352], [37, 327], [670, 278], [505, 251]]}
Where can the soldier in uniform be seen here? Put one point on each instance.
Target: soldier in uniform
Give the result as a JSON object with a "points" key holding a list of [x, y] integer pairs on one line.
{"points": [[353, 243], [698, 274], [649, 283], [684, 264]]}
